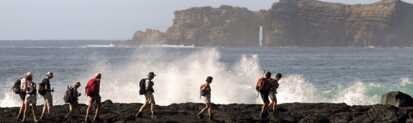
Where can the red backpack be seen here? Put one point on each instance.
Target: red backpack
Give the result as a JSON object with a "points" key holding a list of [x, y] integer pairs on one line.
{"points": [[91, 87], [263, 84]]}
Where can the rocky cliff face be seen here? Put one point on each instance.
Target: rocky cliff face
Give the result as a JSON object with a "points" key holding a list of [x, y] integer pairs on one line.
{"points": [[291, 23], [207, 26], [223, 26], [316, 23], [153, 36]]}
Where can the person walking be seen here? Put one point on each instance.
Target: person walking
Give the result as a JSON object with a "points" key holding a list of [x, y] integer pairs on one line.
{"points": [[72, 97], [273, 92], [45, 90], [146, 89], [28, 86], [92, 91], [205, 92], [22, 94], [263, 87]]}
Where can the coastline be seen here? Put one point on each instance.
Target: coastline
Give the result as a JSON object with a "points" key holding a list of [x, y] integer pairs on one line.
{"points": [[239, 113]]}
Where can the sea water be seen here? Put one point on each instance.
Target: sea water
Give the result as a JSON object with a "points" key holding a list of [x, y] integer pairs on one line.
{"points": [[356, 76]]}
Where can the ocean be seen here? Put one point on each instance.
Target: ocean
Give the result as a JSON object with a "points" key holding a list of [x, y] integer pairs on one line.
{"points": [[356, 76]]}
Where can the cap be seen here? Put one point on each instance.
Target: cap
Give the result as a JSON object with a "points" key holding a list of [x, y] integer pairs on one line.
{"points": [[76, 84], [98, 75], [151, 74], [209, 79], [49, 74], [28, 74]]}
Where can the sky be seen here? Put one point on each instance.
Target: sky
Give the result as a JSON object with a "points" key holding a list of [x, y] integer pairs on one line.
{"points": [[101, 19]]}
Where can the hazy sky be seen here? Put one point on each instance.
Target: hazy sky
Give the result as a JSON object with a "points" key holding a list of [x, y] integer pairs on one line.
{"points": [[100, 19]]}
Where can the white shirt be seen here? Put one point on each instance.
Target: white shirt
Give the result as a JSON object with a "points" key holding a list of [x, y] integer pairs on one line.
{"points": [[147, 84], [26, 85], [23, 84]]}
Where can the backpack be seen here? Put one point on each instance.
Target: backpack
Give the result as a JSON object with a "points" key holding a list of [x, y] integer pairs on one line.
{"points": [[42, 88], [32, 89], [203, 92], [142, 87], [91, 88], [69, 97], [264, 85], [276, 84], [16, 87]]}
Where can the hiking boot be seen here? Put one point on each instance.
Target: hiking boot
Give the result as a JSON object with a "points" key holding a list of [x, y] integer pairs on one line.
{"points": [[23, 119], [199, 116], [138, 114], [67, 116], [211, 117], [86, 120], [275, 112], [263, 115], [96, 119], [153, 116]]}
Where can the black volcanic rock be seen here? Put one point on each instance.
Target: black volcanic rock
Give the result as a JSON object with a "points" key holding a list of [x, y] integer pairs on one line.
{"points": [[234, 113], [397, 98], [306, 23]]}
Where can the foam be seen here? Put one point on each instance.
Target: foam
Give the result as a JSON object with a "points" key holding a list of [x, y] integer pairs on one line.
{"points": [[178, 80], [9, 100]]}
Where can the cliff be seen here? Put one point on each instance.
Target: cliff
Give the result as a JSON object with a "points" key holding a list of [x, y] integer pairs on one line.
{"points": [[234, 113], [207, 26], [307, 23], [223, 26], [316, 23]]}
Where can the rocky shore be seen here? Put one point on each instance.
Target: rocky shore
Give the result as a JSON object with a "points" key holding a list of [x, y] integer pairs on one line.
{"points": [[288, 23], [234, 113]]}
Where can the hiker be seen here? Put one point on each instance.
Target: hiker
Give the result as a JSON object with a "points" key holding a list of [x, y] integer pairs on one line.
{"points": [[263, 87], [205, 92], [273, 92], [146, 89], [28, 86], [22, 94], [71, 97], [92, 91], [45, 91]]}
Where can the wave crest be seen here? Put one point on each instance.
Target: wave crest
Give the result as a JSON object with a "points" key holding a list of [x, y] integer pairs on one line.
{"points": [[179, 78]]}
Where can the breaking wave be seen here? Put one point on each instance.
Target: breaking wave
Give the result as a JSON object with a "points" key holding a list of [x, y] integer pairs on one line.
{"points": [[178, 80], [169, 46], [98, 46], [62, 47]]}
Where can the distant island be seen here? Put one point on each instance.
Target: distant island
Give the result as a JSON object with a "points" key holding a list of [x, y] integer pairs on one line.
{"points": [[288, 23]]}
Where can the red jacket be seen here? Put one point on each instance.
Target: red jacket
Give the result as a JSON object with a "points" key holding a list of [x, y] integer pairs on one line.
{"points": [[264, 84], [92, 88]]}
